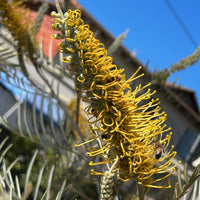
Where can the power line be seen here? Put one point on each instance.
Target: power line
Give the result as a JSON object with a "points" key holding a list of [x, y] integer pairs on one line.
{"points": [[181, 23]]}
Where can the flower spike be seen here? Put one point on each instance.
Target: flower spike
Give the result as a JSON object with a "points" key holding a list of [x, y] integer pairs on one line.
{"points": [[128, 121]]}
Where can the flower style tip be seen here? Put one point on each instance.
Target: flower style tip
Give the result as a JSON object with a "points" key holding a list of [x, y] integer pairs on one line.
{"points": [[129, 122]]}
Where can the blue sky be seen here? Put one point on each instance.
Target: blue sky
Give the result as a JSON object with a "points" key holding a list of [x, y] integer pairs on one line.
{"points": [[154, 32]]}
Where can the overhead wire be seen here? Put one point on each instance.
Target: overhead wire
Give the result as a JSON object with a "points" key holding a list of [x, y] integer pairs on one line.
{"points": [[185, 29]]}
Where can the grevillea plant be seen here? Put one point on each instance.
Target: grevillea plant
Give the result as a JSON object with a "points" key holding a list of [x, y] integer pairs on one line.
{"points": [[128, 121]]}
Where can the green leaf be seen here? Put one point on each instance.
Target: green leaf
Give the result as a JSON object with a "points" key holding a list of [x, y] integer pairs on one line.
{"points": [[191, 181], [39, 18], [29, 173]]}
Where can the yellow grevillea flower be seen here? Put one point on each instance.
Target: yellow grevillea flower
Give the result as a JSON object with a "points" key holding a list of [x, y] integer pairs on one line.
{"points": [[130, 122]]}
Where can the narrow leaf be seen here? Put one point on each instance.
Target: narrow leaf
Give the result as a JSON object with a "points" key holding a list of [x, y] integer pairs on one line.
{"points": [[2, 183], [49, 183], [12, 164], [50, 52], [5, 175], [193, 178], [38, 182], [50, 108], [179, 179], [44, 132], [19, 123], [39, 18], [3, 142], [194, 193], [5, 151], [25, 118], [34, 117], [18, 187], [28, 173], [11, 180], [59, 195], [185, 172]]}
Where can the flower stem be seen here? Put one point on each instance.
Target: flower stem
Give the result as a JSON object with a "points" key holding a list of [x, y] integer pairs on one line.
{"points": [[140, 191]]}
